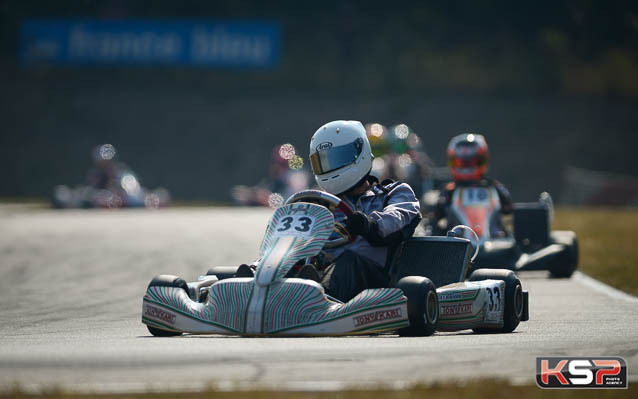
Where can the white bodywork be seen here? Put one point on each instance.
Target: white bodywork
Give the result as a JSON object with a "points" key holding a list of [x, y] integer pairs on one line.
{"points": [[471, 304], [476, 207], [272, 304]]}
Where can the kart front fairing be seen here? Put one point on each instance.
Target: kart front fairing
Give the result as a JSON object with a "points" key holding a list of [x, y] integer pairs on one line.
{"points": [[479, 208], [269, 303]]}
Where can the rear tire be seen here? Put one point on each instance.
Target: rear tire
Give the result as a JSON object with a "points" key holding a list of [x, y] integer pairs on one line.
{"points": [[166, 280], [565, 265], [423, 306], [222, 272], [514, 302]]}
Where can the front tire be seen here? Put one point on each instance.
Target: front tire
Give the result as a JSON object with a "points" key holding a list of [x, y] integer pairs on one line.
{"points": [[565, 265], [423, 306], [514, 301], [166, 280], [162, 333]]}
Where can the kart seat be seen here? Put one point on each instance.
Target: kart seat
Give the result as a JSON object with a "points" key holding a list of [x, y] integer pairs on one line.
{"points": [[444, 260], [500, 251], [531, 225]]}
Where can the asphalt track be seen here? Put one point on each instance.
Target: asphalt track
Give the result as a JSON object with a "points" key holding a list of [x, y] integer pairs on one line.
{"points": [[70, 302]]}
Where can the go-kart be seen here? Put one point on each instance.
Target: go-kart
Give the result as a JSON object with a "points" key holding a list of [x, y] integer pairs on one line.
{"points": [[126, 192], [274, 302], [530, 245]]}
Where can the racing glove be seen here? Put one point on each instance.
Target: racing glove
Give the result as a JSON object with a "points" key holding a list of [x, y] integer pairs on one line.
{"points": [[360, 224]]}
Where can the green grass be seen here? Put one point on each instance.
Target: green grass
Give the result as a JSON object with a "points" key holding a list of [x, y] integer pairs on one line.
{"points": [[608, 240], [488, 389]]}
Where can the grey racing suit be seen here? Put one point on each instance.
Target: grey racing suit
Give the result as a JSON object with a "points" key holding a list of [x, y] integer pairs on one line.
{"points": [[394, 213]]}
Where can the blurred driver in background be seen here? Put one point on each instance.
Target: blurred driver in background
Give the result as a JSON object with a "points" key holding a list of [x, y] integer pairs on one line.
{"points": [[399, 154], [106, 170], [385, 214], [286, 176], [468, 158]]}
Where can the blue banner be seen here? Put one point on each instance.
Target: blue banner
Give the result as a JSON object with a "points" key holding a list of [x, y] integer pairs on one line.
{"points": [[198, 43]]}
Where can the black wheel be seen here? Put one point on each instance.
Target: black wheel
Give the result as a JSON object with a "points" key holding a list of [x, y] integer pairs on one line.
{"points": [[565, 265], [514, 302], [423, 306], [166, 280], [162, 333], [222, 272]]}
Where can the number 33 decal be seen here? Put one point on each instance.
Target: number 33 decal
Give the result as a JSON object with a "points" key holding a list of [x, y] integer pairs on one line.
{"points": [[495, 299], [301, 224]]}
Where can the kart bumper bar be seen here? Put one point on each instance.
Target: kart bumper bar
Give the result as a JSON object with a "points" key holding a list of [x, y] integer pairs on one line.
{"points": [[525, 315]]}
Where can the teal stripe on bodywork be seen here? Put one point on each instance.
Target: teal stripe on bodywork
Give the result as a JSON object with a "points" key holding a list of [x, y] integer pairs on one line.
{"points": [[157, 324], [338, 317], [265, 256], [292, 246], [261, 327], [191, 316], [250, 297]]}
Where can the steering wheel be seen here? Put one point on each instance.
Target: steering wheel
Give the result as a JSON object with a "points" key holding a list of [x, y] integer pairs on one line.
{"points": [[332, 203]]}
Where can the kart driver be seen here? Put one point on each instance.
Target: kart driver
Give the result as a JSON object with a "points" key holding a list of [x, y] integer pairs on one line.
{"points": [[106, 171], [384, 213], [468, 161]]}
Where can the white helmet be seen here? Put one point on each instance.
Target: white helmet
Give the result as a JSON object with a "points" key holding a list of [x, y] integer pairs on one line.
{"points": [[340, 155]]}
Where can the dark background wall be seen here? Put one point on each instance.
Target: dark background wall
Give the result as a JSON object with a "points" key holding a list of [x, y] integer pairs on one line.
{"points": [[550, 84]]}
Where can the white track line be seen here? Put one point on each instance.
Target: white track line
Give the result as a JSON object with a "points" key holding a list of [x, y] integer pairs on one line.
{"points": [[220, 386], [603, 288]]}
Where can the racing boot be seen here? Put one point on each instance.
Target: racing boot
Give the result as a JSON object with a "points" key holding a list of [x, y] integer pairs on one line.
{"points": [[309, 272]]}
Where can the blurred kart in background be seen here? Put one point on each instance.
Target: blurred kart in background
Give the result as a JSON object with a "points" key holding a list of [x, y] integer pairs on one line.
{"points": [[399, 155], [275, 302], [129, 195], [527, 245], [286, 175], [398, 152], [109, 184]]}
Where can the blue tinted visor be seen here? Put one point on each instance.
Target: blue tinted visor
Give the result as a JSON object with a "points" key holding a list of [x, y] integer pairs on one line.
{"points": [[333, 158]]}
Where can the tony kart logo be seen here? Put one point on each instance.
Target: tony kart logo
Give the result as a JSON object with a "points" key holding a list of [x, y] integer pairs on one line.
{"points": [[324, 146], [158, 313], [581, 372], [377, 316], [456, 309]]}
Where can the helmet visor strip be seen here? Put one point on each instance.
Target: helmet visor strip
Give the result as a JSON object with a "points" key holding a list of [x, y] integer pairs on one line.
{"points": [[324, 161], [467, 162]]}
